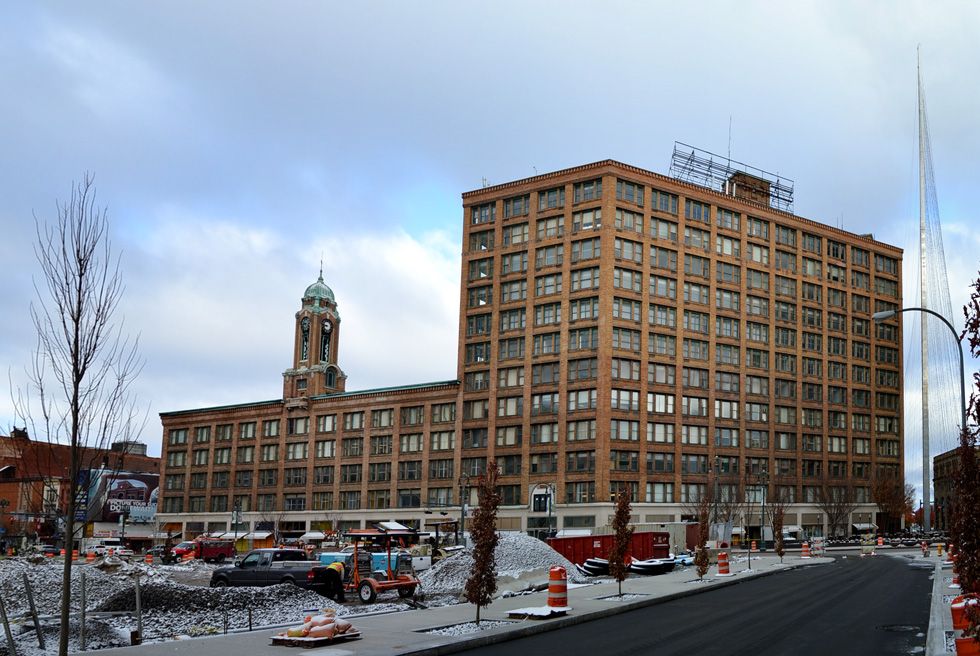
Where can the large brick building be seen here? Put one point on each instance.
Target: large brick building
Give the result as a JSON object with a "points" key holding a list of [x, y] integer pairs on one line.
{"points": [[618, 328]]}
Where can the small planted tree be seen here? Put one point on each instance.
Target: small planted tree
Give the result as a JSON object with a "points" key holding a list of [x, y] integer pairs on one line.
{"points": [[965, 528], [483, 531], [777, 515], [701, 508], [622, 536]]}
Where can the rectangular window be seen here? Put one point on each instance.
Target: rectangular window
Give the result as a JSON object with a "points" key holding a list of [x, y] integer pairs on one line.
{"points": [[583, 191], [516, 234], [551, 199], [662, 201], [630, 192], [629, 221]]}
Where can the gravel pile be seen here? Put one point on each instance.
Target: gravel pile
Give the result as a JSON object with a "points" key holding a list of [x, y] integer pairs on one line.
{"points": [[517, 555]]}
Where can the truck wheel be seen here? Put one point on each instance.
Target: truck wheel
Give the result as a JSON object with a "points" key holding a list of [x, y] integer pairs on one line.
{"points": [[365, 591], [406, 592], [220, 583], [288, 580]]}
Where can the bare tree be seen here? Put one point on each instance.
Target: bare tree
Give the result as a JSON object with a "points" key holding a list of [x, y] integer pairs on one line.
{"points": [[83, 365], [891, 494], [837, 502], [731, 498], [701, 508], [483, 530], [622, 536], [776, 509]]}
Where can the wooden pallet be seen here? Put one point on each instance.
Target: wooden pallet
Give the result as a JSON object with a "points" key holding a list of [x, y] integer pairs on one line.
{"points": [[311, 643]]}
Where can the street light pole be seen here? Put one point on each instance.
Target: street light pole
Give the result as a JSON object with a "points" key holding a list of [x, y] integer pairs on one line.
{"points": [[236, 518], [926, 479], [764, 478], [464, 480]]}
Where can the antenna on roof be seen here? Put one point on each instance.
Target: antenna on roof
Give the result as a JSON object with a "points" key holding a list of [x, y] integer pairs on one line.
{"points": [[535, 169], [485, 185], [321, 264], [729, 137]]}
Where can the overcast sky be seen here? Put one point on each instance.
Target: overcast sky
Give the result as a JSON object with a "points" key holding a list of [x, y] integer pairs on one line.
{"points": [[234, 142]]}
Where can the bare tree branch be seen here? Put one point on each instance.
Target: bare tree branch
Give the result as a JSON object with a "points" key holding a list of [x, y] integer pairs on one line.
{"points": [[80, 376]]}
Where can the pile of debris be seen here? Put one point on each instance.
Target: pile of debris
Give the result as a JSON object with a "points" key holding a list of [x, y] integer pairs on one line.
{"points": [[519, 557]]}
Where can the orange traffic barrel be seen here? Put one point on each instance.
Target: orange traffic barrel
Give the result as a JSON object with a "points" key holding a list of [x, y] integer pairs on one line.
{"points": [[753, 545], [723, 569], [557, 587], [149, 559], [62, 554], [881, 541], [90, 557], [74, 555], [806, 550]]}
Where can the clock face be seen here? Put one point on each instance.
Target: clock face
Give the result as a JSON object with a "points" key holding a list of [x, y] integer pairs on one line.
{"points": [[327, 325]]}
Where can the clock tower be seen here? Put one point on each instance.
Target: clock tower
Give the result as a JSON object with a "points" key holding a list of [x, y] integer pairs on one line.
{"points": [[315, 346]]}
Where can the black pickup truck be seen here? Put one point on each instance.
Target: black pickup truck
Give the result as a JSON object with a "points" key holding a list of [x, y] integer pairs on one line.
{"points": [[262, 567]]}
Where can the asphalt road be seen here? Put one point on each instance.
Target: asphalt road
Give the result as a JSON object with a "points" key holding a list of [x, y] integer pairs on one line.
{"points": [[867, 606]]}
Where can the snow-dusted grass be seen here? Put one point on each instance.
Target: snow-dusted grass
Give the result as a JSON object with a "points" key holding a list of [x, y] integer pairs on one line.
{"points": [[626, 596], [466, 628]]}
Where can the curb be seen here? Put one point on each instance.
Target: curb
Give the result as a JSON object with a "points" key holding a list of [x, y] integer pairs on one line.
{"points": [[505, 635]]}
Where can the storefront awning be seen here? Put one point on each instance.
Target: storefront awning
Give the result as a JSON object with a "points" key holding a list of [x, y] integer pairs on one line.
{"points": [[256, 535], [214, 534], [865, 527], [312, 535]]}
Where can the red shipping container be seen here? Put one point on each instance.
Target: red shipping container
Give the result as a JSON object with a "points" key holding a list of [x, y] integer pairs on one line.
{"points": [[580, 548]]}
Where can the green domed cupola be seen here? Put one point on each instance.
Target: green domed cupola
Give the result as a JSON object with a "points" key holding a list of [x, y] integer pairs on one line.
{"points": [[319, 290]]}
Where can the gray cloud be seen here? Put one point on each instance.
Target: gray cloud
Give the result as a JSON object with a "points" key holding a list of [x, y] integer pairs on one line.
{"points": [[233, 142]]}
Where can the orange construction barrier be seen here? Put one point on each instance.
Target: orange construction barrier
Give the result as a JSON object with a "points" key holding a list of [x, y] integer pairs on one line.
{"points": [[49, 555], [10, 551], [881, 541], [149, 559], [557, 588], [62, 554], [90, 557], [806, 550], [723, 569], [74, 555], [753, 545], [958, 611]]}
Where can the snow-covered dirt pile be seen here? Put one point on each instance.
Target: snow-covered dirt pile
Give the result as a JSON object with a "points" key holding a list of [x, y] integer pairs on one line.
{"points": [[519, 557], [169, 608], [189, 599]]}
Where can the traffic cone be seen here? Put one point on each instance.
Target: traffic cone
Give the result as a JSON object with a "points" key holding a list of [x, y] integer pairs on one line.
{"points": [[557, 588], [806, 550], [723, 564]]}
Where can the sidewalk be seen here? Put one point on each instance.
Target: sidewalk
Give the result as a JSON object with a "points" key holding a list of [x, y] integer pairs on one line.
{"points": [[402, 633], [940, 618]]}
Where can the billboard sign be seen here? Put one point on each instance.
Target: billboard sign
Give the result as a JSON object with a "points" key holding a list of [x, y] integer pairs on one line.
{"points": [[132, 494]]}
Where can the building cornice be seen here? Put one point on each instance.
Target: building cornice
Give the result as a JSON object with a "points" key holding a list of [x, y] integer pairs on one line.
{"points": [[470, 197]]}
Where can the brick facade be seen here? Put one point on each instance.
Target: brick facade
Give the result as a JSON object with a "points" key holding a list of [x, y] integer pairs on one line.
{"points": [[617, 328]]}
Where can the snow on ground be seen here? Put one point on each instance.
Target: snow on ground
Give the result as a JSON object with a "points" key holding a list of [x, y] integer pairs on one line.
{"points": [[467, 628], [176, 601], [518, 555]]}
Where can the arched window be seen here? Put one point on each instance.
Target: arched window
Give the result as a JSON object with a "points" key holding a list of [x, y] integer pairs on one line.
{"points": [[304, 349]]}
